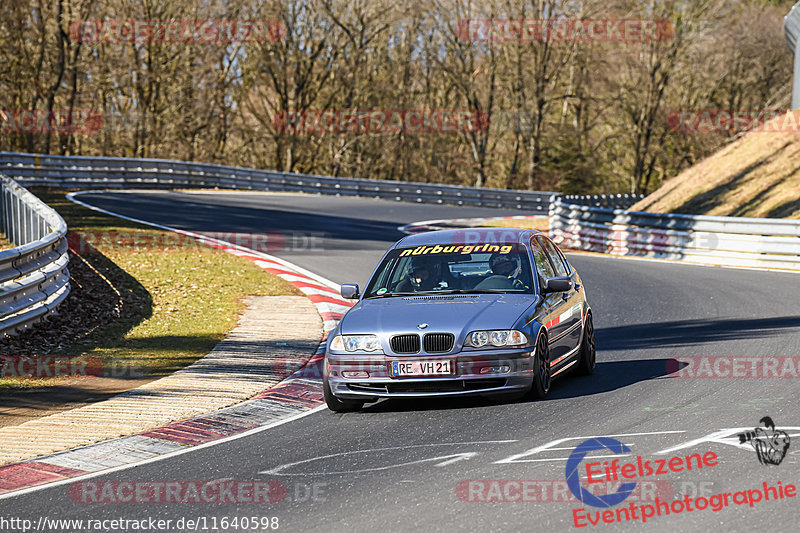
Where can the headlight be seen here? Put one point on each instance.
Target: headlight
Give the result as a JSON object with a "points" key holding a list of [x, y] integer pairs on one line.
{"points": [[354, 343], [497, 337]]}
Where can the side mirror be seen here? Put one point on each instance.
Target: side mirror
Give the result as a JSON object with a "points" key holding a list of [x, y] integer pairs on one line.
{"points": [[350, 291], [560, 284]]}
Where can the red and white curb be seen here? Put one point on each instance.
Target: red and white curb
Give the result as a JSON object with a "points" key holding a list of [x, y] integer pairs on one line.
{"points": [[458, 223], [296, 396]]}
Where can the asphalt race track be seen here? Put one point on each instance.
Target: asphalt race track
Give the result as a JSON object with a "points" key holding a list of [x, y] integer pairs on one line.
{"points": [[420, 465]]}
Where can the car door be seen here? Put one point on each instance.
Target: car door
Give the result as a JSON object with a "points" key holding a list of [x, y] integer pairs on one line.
{"points": [[571, 307], [554, 305]]}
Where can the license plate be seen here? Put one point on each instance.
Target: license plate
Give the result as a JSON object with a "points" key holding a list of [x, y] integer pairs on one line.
{"points": [[401, 369]]}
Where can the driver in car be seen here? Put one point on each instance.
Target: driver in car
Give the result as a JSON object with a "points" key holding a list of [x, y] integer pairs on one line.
{"points": [[422, 276]]}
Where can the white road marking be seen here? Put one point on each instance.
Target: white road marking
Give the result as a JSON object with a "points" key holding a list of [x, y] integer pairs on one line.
{"points": [[573, 447], [456, 458], [452, 458], [517, 458], [727, 436], [565, 458]]}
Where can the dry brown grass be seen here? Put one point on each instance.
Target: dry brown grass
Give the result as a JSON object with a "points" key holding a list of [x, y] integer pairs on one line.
{"points": [[757, 175], [540, 223]]}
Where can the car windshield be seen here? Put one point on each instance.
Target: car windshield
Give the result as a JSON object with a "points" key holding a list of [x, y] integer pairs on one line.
{"points": [[452, 269]]}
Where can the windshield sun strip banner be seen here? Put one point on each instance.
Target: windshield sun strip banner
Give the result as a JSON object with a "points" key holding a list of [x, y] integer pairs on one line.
{"points": [[463, 249]]}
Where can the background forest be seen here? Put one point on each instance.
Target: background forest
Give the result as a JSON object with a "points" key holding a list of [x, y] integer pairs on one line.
{"points": [[577, 117]]}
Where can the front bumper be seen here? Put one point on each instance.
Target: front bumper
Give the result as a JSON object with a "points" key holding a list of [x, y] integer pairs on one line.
{"points": [[467, 380]]}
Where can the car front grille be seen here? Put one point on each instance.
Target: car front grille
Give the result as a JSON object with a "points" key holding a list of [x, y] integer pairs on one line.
{"points": [[438, 342], [405, 343]]}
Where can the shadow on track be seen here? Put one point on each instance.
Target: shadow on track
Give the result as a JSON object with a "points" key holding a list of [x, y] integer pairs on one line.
{"points": [[610, 376], [692, 332]]}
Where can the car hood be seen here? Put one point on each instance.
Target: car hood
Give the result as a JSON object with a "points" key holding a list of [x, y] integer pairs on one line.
{"points": [[452, 313]]}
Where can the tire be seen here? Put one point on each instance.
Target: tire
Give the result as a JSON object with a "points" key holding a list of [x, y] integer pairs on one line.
{"points": [[541, 368], [587, 358], [338, 405]]}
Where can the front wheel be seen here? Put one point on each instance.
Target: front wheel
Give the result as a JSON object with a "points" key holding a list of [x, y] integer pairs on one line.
{"points": [[338, 405], [587, 358], [541, 368]]}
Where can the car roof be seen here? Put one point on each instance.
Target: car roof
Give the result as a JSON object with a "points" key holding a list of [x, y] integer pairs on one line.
{"points": [[468, 235]]}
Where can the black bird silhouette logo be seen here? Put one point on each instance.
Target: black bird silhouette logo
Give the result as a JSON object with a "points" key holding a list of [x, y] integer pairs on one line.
{"points": [[769, 443]]}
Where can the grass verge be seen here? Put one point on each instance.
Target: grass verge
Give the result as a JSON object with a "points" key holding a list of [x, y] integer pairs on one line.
{"points": [[540, 223], [756, 175], [176, 300]]}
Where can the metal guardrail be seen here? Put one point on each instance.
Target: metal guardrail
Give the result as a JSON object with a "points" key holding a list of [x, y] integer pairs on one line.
{"points": [[724, 241], [34, 278], [107, 172], [610, 201]]}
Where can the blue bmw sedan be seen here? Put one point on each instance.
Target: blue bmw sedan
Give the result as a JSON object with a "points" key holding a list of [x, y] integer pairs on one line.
{"points": [[489, 311]]}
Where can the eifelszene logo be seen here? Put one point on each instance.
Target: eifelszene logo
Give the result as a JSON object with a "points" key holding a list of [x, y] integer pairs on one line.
{"points": [[769, 443], [573, 477], [618, 471]]}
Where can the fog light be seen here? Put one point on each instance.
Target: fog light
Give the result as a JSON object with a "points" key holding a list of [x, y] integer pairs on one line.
{"points": [[495, 369], [360, 374]]}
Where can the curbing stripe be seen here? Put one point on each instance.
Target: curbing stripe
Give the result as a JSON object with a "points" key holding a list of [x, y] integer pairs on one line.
{"points": [[331, 317], [110, 454], [314, 288], [21, 475], [294, 278]]}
